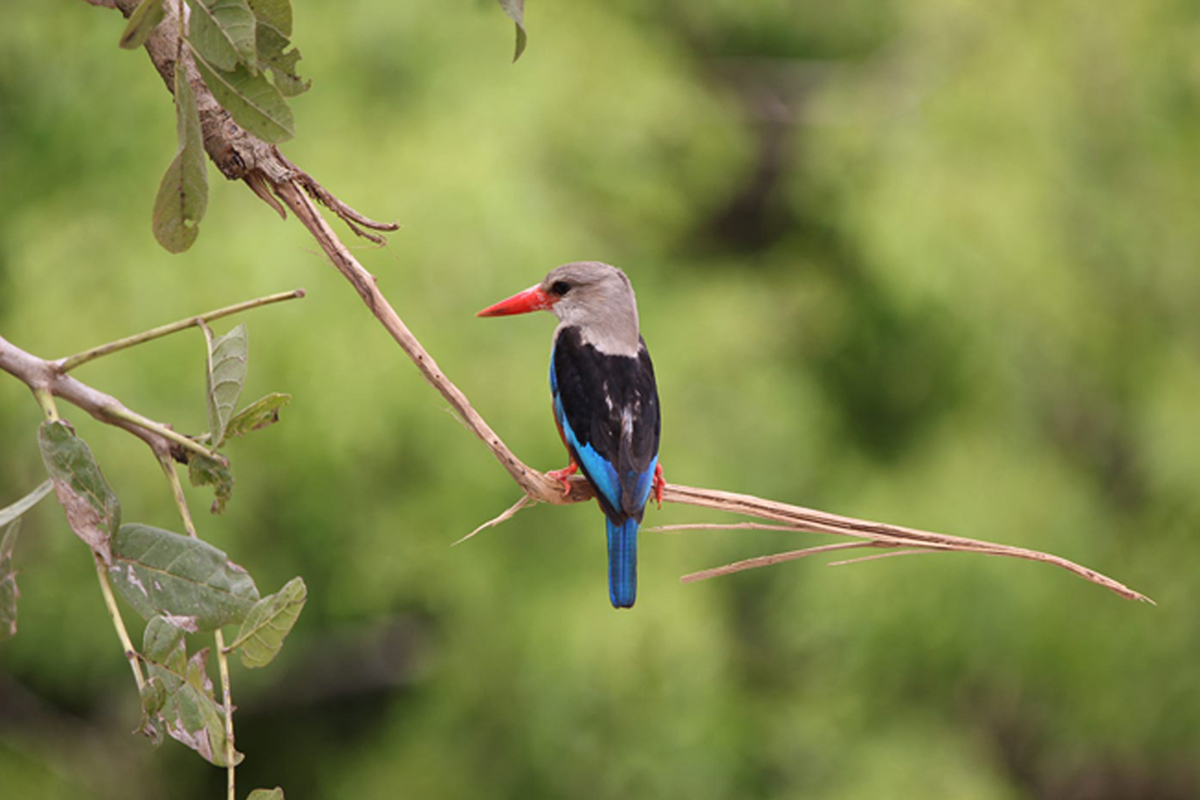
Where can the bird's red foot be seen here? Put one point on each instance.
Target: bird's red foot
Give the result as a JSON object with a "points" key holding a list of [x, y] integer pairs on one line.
{"points": [[563, 475], [659, 483]]}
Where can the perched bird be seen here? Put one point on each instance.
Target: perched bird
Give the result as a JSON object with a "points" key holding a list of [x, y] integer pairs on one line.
{"points": [[605, 400]]}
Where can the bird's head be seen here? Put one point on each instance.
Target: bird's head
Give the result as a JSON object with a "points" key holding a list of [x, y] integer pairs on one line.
{"points": [[595, 297]]}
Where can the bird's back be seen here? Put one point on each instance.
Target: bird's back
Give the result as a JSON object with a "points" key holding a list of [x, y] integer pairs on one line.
{"points": [[608, 408]]}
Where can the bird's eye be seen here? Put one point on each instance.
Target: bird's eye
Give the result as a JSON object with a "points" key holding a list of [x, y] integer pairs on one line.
{"points": [[560, 288]]}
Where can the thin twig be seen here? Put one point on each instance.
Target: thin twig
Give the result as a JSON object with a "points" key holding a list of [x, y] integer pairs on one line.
{"points": [[876, 557], [114, 613], [227, 696], [719, 526], [137, 419], [71, 362], [774, 558], [504, 516]]}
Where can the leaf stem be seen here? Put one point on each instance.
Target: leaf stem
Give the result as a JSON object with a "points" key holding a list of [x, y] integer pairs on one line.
{"points": [[185, 514], [45, 399], [71, 362], [162, 430], [114, 613], [227, 694]]}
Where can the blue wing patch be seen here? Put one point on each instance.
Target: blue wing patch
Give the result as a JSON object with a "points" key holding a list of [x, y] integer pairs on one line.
{"points": [[602, 474]]}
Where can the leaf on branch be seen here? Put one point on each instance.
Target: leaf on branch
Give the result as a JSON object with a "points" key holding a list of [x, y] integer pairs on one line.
{"points": [[275, 13], [190, 714], [10, 521], [273, 37], [183, 193], [262, 413], [154, 698], [142, 21], [165, 652], [227, 360], [253, 101], [214, 472], [205, 471], [222, 32], [164, 573], [161, 639], [516, 12], [92, 510], [268, 624], [266, 794], [196, 720], [271, 56], [195, 672]]}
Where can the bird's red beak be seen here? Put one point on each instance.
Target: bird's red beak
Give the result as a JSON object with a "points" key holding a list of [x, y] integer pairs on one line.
{"points": [[532, 299]]}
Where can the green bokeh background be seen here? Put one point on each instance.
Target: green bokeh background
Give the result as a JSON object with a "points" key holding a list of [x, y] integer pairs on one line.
{"points": [[929, 262]]}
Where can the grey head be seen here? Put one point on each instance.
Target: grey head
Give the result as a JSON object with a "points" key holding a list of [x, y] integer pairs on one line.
{"points": [[598, 299]]}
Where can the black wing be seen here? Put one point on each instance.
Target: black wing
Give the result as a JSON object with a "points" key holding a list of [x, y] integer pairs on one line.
{"points": [[608, 408]]}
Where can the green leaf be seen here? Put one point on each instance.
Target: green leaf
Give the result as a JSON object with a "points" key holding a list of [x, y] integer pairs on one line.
{"points": [[8, 580], [266, 794], [271, 56], [276, 13], [195, 672], [228, 361], [253, 101], [163, 645], [92, 509], [516, 12], [268, 624], [161, 640], [222, 32], [214, 472], [183, 193], [142, 21], [154, 698], [178, 698], [259, 414], [195, 720], [163, 573]]}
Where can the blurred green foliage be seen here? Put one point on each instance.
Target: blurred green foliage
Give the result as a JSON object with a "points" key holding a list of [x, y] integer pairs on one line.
{"points": [[931, 263]]}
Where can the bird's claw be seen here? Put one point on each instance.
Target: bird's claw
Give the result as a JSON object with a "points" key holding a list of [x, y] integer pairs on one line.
{"points": [[659, 483], [563, 476]]}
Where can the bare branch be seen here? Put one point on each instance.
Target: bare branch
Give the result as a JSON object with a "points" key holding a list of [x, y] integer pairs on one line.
{"points": [[807, 519], [533, 483], [49, 379], [41, 375]]}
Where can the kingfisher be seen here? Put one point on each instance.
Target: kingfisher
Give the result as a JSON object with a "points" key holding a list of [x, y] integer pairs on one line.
{"points": [[605, 400]]}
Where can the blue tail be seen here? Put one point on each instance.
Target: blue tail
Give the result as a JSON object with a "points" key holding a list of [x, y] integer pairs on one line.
{"points": [[622, 563]]}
